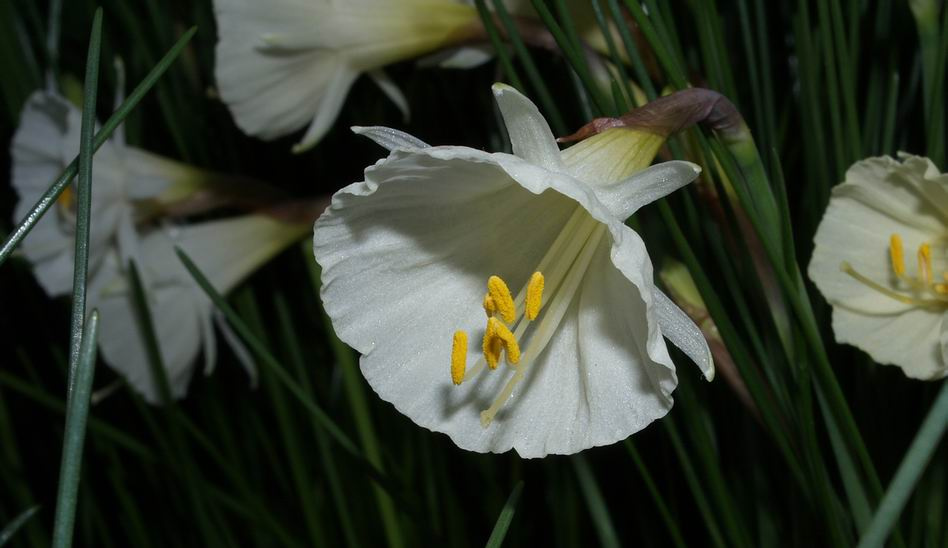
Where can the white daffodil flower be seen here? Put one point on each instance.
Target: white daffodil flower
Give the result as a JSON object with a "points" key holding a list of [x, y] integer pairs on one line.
{"points": [[129, 185], [408, 254], [131, 190], [891, 307], [288, 64], [226, 251]]}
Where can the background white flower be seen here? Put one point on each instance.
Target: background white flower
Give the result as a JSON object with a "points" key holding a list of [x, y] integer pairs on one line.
{"points": [[287, 64], [128, 183], [129, 187], [406, 254], [896, 319]]}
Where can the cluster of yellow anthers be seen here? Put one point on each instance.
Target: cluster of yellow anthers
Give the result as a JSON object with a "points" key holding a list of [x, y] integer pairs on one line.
{"points": [[501, 313], [926, 292]]}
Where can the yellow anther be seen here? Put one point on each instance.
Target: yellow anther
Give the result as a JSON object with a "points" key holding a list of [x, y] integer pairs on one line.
{"points": [[458, 357], [67, 199], [534, 296], [925, 264], [492, 345], [498, 291], [896, 254], [489, 305], [509, 342]]}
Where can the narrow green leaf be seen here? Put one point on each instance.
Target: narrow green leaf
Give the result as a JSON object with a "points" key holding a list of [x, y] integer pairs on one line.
{"points": [[595, 503], [76, 416], [505, 518], [487, 19], [56, 188], [573, 55], [84, 200], [910, 470], [695, 484], [15, 524], [670, 522], [533, 73]]}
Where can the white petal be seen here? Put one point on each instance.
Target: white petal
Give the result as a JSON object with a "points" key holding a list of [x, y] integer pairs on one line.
{"points": [[529, 133], [389, 138], [391, 90], [465, 57], [924, 175], [176, 314], [910, 340], [683, 333], [330, 103], [881, 183], [269, 95], [626, 197], [227, 250]]}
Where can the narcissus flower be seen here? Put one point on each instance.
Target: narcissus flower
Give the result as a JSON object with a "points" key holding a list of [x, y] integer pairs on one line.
{"points": [[288, 64], [500, 298], [131, 187], [881, 260], [132, 190]]}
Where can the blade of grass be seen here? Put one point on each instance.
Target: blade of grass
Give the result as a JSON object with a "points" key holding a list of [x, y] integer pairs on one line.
{"points": [[574, 56], [657, 497], [16, 523], [84, 201], [641, 73], [76, 416], [910, 470], [82, 338], [487, 19], [694, 483], [536, 79], [595, 503], [56, 188], [505, 518]]}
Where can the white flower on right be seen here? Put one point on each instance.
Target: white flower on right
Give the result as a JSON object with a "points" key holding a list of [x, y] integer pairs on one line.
{"points": [[881, 260]]}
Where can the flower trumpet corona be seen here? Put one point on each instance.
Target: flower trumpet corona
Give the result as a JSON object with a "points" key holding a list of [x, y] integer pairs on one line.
{"points": [[571, 352], [288, 64], [881, 260]]}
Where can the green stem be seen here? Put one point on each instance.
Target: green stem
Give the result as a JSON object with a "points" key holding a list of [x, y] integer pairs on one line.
{"points": [[909, 472]]}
